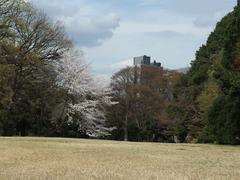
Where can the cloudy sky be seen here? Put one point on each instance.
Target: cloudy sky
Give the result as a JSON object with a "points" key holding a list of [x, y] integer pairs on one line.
{"points": [[111, 32]]}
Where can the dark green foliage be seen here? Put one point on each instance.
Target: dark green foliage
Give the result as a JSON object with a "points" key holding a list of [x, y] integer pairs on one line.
{"points": [[216, 62], [30, 46], [224, 117], [180, 124], [224, 122]]}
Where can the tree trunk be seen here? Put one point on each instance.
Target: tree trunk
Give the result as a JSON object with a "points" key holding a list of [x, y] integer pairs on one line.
{"points": [[126, 128]]}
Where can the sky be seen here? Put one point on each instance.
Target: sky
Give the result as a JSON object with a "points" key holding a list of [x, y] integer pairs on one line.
{"points": [[112, 32]]}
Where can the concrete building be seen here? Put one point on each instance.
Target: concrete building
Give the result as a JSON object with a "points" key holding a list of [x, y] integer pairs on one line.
{"points": [[142, 60], [158, 64], [145, 60]]}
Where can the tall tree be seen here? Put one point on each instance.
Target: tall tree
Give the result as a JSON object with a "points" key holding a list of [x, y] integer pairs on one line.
{"points": [[207, 97], [143, 94], [30, 47]]}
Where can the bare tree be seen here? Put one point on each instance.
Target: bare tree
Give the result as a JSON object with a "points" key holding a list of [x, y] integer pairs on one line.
{"points": [[144, 94], [123, 86]]}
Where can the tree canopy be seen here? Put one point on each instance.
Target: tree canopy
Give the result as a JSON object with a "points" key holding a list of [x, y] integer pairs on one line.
{"points": [[45, 86], [207, 97]]}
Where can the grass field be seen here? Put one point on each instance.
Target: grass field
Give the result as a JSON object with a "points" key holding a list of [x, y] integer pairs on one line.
{"points": [[51, 158]]}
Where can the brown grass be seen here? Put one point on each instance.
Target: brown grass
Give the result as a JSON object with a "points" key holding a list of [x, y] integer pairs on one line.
{"points": [[57, 159]]}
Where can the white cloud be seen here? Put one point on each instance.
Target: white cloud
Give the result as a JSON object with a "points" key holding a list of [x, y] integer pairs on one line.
{"points": [[112, 30], [87, 24], [89, 32], [149, 2], [122, 64], [205, 21], [191, 7]]}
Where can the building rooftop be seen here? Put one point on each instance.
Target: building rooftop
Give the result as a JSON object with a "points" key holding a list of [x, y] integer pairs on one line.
{"points": [[145, 60]]}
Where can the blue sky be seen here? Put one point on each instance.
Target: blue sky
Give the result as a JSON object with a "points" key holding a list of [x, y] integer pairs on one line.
{"points": [[112, 32]]}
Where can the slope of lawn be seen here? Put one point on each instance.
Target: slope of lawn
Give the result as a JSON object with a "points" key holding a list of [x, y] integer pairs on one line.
{"points": [[52, 158]]}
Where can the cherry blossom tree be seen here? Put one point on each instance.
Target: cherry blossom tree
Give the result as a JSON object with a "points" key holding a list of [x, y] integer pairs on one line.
{"points": [[92, 96]]}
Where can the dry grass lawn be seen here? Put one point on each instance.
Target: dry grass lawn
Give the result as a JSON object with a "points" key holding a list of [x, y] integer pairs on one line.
{"points": [[57, 159]]}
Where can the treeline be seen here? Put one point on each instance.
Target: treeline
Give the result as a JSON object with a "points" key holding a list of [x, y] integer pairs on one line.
{"points": [[45, 85], [202, 106], [206, 106], [46, 88]]}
